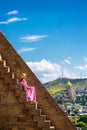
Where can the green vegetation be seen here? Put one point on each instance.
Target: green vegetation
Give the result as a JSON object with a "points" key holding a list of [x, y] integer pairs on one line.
{"points": [[83, 118], [58, 85], [84, 128], [55, 89], [82, 122]]}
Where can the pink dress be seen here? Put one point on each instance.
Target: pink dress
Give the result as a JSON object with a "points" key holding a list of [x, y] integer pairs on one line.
{"points": [[30, 91]]}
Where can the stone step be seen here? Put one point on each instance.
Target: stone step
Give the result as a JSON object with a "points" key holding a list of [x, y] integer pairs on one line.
{"points": [[37, 118], [47, 121], [34, 112], [6, 74], [3, 63], [29, 109], [2, 67], [5, 69], [8, 80], [0, 57], [43, 116], [43, 124], [29, 105], [52, 127]]}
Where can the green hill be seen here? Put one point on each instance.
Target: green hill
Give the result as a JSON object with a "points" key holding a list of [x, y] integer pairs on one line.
{"points": [[58, 85]]}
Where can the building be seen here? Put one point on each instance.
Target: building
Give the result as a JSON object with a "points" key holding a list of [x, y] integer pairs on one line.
{"points": [[70, 91]]}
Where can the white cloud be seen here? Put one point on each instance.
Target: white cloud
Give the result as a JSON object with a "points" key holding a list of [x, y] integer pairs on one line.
{"points": [[70, 74], [84, 67], [33, 38], [11, 20], [24, 49], [15, 19], [3, 22], [67, 61], [47, 71], [79, 67], [12, 12]]}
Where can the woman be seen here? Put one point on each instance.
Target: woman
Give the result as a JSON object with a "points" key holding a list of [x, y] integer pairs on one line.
{"points": [[30, 90]]}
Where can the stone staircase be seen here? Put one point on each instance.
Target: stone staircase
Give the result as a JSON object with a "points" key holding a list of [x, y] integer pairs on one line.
{"points": [[15, 112]]}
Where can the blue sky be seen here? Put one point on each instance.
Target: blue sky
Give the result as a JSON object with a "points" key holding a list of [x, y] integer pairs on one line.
{"points": [[50, 35]]}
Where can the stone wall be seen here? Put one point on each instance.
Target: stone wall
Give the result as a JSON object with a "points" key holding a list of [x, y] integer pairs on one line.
{"points": [[45, 101]]}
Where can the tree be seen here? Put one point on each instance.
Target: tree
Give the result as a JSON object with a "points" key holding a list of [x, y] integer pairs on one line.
{"points": [[80, 124], [84, 128], [83, 118]]}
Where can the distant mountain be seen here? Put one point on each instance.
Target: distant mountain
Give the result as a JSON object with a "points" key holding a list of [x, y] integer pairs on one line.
{"points": [[59, 84], [63, 81]]}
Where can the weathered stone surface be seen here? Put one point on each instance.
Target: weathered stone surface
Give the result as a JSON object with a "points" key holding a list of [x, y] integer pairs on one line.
{"points": [[15, 114]]}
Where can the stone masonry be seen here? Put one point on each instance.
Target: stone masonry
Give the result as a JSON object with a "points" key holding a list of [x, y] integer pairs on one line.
{"points": [[15, 113]]}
